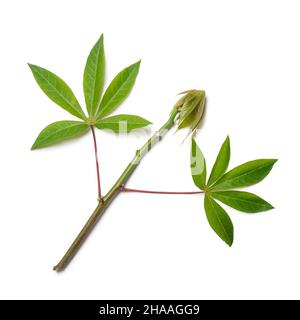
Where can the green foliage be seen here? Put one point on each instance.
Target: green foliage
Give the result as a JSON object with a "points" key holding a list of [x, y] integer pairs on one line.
{"points": [[242, 201], [57, 90], [93, 77], [93, 83], [221, 163], [58, 132], [219, 220], [118, 90], [246, 174], [219, 187], [187, 113], [122, 123]]}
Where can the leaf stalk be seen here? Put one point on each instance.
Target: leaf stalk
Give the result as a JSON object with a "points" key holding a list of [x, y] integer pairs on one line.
{"points": [[97, 162], [124, 189]]}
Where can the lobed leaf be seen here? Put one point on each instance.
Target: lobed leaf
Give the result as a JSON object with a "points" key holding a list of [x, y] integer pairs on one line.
{"points": [[57, 90], [198, 166], [242, 201], [118, 90], [122, 123], [59, 131], [93, 77], [245, 175], [221, 163], [219, 220]]}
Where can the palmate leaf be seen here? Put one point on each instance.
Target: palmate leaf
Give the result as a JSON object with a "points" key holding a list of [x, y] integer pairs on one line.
{"points": [[118, 90], [198, 166], [93, 77], [59, 131], [242, 201], [245, 175], [221, 163], [122, 123], [218, 220], [57, 90]]}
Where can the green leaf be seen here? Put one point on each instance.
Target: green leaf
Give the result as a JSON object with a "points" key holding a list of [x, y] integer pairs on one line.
{"points": [[219, 220], [245, 175], [57, 90], [93, 77], [242, 201], [198, 166], [118, 90], [59, 131], [122, 123], [221, 163]]}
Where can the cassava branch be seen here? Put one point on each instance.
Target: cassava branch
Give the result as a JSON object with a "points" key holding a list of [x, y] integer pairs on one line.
{"points": [[105, 201]]}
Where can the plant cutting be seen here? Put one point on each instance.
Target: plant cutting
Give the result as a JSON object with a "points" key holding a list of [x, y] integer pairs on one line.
{"points": [[220, 186]]}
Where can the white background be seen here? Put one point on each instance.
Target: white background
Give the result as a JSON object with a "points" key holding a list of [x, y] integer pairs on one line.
{"points": [[246, 55]]}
